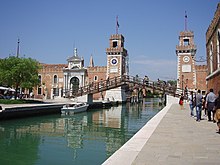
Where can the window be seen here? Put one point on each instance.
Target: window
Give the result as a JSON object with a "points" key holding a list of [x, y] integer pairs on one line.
{"points": [[115, 44], [39, 91], [218, 49], [211, 58], [186, 42], [39, 78], [55, 79], [95, 78], [56, 91]]}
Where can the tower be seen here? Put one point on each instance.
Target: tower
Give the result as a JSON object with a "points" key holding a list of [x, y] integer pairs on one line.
{"points": [[185, 51], [116, 56], [117, 65]]}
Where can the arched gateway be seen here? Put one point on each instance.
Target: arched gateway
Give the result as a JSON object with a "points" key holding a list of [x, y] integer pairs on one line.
{"points": [[74, 83], [74, 75]]}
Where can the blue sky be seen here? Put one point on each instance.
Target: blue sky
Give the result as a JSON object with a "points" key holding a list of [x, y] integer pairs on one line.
{"points": [[49, 29]]}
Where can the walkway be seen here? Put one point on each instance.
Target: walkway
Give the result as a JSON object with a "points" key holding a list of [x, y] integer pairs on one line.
{"points": [[171, 137]]}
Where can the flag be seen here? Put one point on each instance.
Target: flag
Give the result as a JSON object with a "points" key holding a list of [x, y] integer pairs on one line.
{"points": [[117, 24], [185, 15]]}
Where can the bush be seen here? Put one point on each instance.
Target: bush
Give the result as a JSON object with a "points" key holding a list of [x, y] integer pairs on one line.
{"points": [[19, 101]]}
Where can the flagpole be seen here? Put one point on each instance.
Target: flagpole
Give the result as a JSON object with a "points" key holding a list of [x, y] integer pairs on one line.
{"points": [[185, 21], [18, 47]]}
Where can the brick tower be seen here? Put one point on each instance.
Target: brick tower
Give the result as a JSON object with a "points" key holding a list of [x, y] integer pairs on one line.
{"points": [[117, 65], [185, 51]]}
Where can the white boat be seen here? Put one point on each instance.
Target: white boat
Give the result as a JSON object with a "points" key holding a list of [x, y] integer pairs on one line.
{"points": [[75, 107]]}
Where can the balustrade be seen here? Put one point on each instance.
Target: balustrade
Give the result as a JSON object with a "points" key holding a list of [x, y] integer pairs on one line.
{"points": [[115, 82]]}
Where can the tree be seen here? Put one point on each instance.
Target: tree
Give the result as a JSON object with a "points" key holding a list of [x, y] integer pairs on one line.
{"points": [[19, 72], [172, 82]]}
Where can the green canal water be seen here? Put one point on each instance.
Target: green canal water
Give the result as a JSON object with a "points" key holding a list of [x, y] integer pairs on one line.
{"points": [[81, 139]]}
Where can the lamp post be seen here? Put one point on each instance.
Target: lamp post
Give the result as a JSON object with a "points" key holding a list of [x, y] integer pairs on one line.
{"points": [[184, 82]]}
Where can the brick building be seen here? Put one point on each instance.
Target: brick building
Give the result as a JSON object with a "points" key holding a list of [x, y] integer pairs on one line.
{"points": [[201, 72], [213, 52], [62, 80], [96, 74], [51, 81], [57, 80], [190, 76]]}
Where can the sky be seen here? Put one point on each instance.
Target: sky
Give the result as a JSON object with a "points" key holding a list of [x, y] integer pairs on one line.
{"points": [[50, 29]]}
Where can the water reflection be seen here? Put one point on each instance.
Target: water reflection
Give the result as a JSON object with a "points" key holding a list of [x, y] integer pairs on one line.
{"points": [[86, 138]]}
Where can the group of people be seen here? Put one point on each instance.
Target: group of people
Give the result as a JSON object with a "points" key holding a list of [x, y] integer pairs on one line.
{"points": [[210, 104]]}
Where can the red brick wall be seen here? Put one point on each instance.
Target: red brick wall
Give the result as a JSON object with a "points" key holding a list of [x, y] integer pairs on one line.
{"points": [[47, 73], [214, 83], [213, 79], [100, 73], [201, 73]]}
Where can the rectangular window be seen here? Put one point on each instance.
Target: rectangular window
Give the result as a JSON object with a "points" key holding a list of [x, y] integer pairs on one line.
{"points": [[56, 91], [39, 91], [186, 42], [115, 44]]}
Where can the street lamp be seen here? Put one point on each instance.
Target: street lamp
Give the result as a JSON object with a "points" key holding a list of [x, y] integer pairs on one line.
{"points": [[183, 82]]}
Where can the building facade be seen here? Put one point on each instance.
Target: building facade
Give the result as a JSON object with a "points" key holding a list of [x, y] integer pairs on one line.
{"points": [[186, 51], [63, 80], [74, 75], [117, 65], [190, 76], [51, 81], [213, 52]]}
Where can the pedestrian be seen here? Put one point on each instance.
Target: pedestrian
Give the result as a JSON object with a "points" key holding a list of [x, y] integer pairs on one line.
{"points": [[210, 103], [181, 100], [204, 106], [191, 103], [199, 100], [217, 111]]}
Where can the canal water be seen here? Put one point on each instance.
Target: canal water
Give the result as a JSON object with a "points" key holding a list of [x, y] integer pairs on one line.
{"points": [[81, 139]]}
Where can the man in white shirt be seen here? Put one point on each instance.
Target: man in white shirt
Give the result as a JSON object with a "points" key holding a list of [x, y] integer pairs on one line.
{"points": [[210, 103]]}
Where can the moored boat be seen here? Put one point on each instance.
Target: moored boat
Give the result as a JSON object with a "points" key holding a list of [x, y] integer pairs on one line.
{"points": [[75, 107]]}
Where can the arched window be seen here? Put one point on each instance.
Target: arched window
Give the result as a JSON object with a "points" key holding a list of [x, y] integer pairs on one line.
{"points": [[211, 57], [55, 79], [39, 90], [40, 79], [95, 78], [218, 49]]}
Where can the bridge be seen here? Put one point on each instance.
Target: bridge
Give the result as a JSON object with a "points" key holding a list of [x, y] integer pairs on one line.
{"points": [[131, 83]]}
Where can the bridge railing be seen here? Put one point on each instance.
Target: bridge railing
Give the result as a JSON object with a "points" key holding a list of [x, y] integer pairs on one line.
{"points": [[110, 83]]}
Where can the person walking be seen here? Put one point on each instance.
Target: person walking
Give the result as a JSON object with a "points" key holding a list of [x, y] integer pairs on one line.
{"points": [[191, 103], [181, 100], [217, 111], [204, 106], [210, 103], [198, 105]]}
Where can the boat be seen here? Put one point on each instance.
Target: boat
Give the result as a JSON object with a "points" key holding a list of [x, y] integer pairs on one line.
{"points": [[106, 103], [75, 107]]}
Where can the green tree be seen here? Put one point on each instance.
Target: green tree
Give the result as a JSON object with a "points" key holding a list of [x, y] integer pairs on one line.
{"points": [[172, 82], [19, 72]]}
